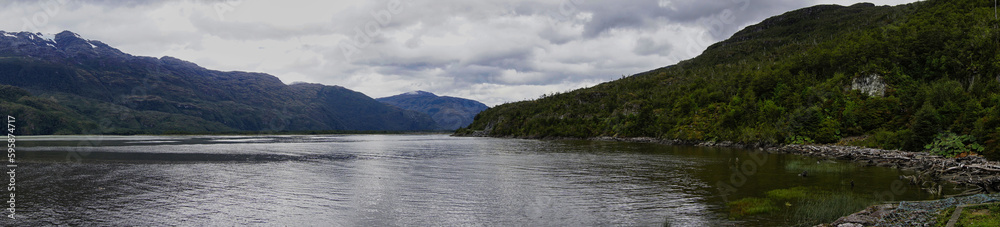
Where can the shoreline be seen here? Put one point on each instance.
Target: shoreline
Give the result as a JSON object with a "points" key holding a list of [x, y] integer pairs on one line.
{"points": [[971, 171], [910, 213]]}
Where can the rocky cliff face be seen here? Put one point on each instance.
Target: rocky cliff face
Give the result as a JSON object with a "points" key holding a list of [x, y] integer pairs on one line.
{"points": [[870, 84]]}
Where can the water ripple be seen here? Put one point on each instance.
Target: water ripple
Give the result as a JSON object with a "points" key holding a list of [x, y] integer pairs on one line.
{"points": [[371, 181]]}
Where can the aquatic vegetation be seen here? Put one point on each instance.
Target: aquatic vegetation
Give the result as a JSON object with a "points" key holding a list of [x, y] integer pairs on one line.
{"points": [[750, 206], [805, 206], [788, 194], [820, 167], [825, 208]]}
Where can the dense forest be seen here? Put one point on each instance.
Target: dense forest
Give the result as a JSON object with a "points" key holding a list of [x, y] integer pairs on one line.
{"points": [[921, 76]]}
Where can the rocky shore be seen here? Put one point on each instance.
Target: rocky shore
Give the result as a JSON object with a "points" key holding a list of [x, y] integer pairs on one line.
{"points": [[970, 171], [915, 213]]}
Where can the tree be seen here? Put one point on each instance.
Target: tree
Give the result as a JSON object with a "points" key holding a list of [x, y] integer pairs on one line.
{"points": [[925, 125]]}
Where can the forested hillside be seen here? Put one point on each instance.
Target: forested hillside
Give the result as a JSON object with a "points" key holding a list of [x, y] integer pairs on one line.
{"points": [[450, 113], [70, 85], [878, 76]]}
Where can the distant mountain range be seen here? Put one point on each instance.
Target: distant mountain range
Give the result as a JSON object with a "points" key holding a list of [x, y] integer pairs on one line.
{"points": [[449, 113], [69, 85]]}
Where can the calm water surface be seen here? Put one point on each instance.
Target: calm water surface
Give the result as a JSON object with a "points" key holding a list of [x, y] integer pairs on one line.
{"points": [[391, 180]]}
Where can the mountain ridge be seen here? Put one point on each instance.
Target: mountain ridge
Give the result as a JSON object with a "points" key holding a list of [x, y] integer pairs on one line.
{"points": [[102, 87], [450, 113]]}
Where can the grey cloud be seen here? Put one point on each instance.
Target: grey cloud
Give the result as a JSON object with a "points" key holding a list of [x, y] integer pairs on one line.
{"points": [[618, 14], [406, 69], [474, 74], [235, 30], [511, 59], [555, 37], [647, 46], [727, 16], [103, 3]]}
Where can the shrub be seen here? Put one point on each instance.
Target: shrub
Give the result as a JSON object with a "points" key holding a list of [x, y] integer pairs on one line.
{"points": [[924, 126], [828, 132], [949, 145], [993, 145], [801, 140]]}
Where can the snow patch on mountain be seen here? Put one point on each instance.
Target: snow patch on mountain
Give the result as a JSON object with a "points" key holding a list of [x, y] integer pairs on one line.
{"points": [[48, 37], [419, 93]]}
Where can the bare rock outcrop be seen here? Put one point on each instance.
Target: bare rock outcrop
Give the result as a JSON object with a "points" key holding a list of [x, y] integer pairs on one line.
{"points": [[871, 84]]}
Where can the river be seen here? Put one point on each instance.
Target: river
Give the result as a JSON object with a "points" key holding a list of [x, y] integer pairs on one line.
{"points": [[417, 180]]}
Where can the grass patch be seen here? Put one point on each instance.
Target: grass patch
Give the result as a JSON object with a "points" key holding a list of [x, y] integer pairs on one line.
{"points": [[803, 205], [819, 209], [944, 216], [750, 206], [788, 194], [986, 215]]}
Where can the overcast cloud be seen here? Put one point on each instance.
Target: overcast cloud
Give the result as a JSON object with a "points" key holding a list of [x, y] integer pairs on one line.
{"points": [[491, 51]]}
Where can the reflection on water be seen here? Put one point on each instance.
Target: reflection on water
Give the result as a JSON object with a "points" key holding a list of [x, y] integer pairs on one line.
{"points": [[374, 180]]}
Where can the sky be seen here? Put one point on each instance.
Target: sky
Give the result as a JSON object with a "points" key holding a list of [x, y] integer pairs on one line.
{"points": [[492, 51]]}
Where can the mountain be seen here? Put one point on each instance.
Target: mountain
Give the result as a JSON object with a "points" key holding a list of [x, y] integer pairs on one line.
{"points": [[450, 113], [69, 85], [878, 76]]}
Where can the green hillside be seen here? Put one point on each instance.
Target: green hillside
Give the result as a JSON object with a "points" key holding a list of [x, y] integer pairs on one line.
{"points": [[47, 116], [877, 76]]}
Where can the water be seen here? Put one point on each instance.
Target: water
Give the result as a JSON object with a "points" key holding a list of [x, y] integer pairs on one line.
{"points": [[391, 180]]}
